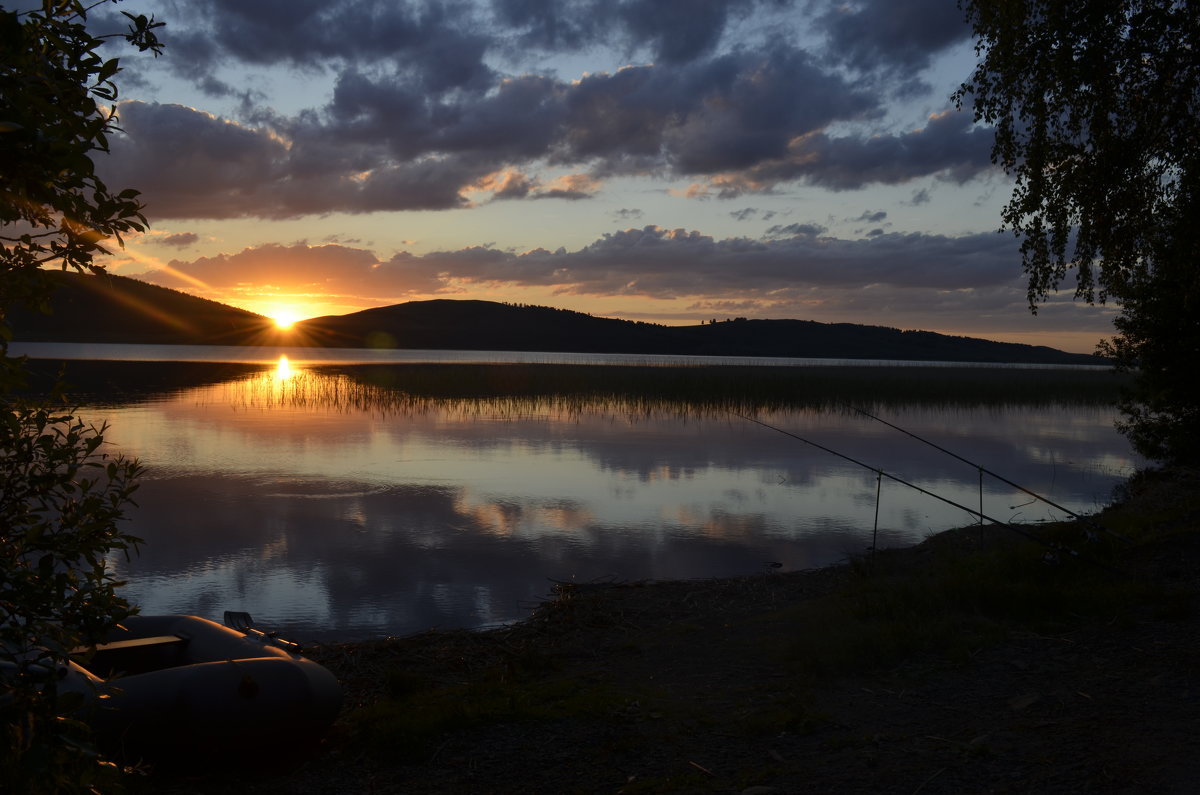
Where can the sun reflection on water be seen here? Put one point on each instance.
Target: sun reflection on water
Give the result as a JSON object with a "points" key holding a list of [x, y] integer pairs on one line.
{"points": [[283, 369]]}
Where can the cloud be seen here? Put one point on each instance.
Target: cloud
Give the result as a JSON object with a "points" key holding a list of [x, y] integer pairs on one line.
{"points": [[874, 35], [912, 280], [796, 230], [516, 185], [332, 269], [668, 31], [508, 185], [650, 261], [949, 147], [678, 31], [921, 196], [418, 115], [434, 45], [732, 111], [570, 186], [191, 164], [180, 240]]}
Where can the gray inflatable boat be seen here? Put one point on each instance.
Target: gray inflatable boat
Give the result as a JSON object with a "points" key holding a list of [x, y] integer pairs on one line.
{"points": [[180, 681]]}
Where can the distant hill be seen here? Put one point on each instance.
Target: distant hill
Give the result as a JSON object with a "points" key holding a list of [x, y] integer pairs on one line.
{"points": [[118, 309], [110, 308], [486, 325]]}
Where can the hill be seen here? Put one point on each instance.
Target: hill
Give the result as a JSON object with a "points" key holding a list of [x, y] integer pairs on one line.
{"points": [[486, 325], [118, 309], [110, 308]]}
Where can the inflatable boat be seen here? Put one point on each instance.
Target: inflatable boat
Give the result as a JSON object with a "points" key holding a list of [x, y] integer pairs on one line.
{"points": [[183, 682]]}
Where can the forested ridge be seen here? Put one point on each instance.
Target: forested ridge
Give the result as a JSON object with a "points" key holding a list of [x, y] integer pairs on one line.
{"points": [[115, 309]]}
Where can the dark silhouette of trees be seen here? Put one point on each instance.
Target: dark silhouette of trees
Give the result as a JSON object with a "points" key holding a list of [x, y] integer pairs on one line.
{"points": [[61, 493], [1096, 106]]}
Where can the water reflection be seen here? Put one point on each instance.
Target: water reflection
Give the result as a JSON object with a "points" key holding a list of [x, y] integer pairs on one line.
{"points": [[283, 369], [330, 505]]}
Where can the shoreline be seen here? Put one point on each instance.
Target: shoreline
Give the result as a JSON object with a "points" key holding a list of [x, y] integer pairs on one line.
{"points": [[779, 683]]}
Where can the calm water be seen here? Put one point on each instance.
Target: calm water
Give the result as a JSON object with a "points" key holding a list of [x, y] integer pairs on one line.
{"points": [[328, 508], [310, 356]]}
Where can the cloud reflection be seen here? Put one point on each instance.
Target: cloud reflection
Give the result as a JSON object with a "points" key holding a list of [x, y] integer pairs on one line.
{"points": [[332, 508]]}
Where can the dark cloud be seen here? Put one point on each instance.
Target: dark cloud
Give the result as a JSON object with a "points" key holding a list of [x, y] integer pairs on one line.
{"points": [[913, 280], [551, 24], [436, 45], [190, 164], [571, 187], [650, 261], [729, 112], [329, 269], [628, 214], [796, 230], [921, 196], [513, 185], [294, 265], [872, 217], [949, 146], [667, 31], [678, 31], [180, 240], [744, 214], [563, 193], [666, 263], [382, 146], [417, 119], [884, 34]]}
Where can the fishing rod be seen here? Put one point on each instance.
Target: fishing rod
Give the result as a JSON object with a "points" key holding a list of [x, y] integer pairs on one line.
{"points": [[1044, 542], [1087, 520]]}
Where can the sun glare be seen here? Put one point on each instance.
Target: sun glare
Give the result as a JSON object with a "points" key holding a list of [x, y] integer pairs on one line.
{"points": [[284, 318], [283, 369]]}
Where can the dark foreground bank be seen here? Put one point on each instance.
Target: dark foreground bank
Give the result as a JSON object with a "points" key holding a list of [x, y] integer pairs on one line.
{"points": [[979, 661]]}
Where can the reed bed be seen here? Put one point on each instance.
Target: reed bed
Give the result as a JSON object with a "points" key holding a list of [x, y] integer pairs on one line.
{"points": [[516, 390], [763, 386]]}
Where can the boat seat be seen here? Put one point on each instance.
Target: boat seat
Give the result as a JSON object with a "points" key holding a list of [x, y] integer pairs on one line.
{"points": [[133, 643], [138, 643], [135, 655]]}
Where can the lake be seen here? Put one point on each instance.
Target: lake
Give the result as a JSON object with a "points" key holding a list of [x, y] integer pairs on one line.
{"points": [[350, 499]]}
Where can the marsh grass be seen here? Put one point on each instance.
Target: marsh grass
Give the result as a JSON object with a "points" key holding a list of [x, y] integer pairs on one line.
{"points": [[528, 391], [756, 388], [523, 388]]}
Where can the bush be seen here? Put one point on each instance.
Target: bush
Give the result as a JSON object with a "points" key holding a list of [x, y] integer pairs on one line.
{"points": [[61, 497]]}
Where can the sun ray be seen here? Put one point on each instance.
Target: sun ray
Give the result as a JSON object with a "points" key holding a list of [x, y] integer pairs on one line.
{"points": [[284, 317]]}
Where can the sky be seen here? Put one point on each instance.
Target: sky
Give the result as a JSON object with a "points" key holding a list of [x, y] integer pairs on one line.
{"points": [[671, 161]]}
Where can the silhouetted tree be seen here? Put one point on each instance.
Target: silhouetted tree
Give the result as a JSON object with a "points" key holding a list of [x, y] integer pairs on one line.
{"points": [[1096, 105], [61, 494]]}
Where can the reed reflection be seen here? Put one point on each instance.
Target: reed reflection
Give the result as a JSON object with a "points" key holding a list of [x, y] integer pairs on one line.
{"points": [[530, 391]]}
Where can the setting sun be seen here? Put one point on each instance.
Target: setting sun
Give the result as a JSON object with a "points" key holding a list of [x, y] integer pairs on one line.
{"points": [[284, 318]]}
